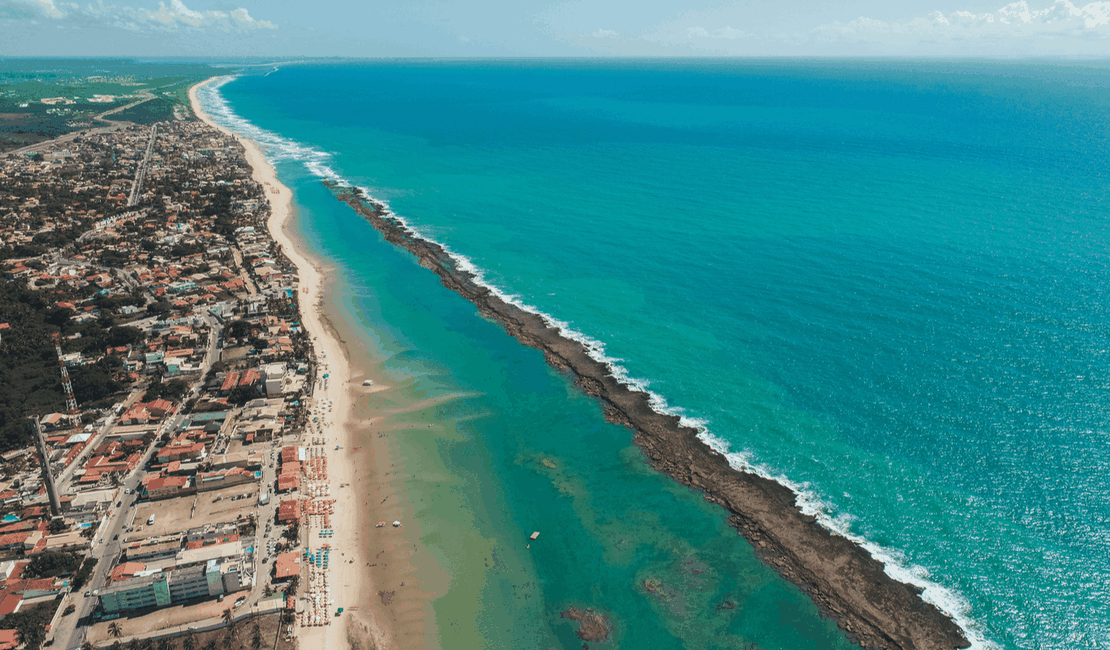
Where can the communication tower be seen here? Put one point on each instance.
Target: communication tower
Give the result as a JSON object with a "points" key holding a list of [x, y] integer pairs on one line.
{"points": [[44, 463], [71, 401]]}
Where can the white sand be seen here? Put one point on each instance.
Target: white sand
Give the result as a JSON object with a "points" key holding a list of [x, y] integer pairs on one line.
{"points": [[351, 586]]}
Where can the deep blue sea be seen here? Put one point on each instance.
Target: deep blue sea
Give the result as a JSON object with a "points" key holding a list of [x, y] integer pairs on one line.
{"points": [[882, 282]]}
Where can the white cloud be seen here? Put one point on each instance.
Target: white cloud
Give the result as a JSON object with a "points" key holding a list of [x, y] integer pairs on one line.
{"points": [[177, 12], [1013, 21], [605, 33], [243, 18], [723, 32], [32, 8], [172, 16]]}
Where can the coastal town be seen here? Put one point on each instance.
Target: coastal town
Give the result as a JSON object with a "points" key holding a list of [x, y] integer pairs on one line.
{"points": [[165, 475], [195, 443]]}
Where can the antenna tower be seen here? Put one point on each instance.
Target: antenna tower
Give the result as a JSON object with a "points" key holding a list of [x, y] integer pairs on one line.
{"points": [[71, 402]]}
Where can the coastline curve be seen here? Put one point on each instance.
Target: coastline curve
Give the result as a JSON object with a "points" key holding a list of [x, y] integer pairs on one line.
{"points": [[838, 571]]}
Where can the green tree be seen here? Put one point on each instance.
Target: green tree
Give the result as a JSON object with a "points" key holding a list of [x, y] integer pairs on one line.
{"points": [[239, 329], [189, 642], [230, 622], [49, 565], [242, 394], [115, 629], [256, 637]]}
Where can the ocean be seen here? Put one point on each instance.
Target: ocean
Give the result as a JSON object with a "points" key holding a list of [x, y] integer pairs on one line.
{"points": [[880, 282]]}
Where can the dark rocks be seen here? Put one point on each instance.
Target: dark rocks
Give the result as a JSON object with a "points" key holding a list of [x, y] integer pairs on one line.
{"points": [[592, 626], [844, 581]]}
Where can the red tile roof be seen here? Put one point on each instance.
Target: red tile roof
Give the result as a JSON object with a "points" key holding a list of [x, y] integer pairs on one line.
{"points": [[231, 380], [10, 604], [126, 570], [9, 639], [288, 483], [287, 565]]}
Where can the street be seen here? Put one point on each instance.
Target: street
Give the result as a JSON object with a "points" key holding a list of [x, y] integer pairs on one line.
{"points": [[105, 544]]}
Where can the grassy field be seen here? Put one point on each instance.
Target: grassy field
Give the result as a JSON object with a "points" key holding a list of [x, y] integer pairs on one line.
{"points": [[77, 90]]}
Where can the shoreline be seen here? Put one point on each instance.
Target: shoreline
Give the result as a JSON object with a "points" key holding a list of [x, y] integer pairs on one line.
{"points": [[363, 622], [846, 583]]}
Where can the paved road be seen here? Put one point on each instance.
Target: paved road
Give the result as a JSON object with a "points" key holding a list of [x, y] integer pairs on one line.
{"points": [[62, 480], [105, 545], [105, 548], [247, 282], [140, 173], [47, 145]]}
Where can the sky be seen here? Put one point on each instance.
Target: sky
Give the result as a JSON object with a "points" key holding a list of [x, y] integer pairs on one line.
{"points": [[541, 28]]}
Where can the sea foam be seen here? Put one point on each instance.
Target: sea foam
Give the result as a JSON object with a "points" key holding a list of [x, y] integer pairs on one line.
{"points": [[280, 149]]}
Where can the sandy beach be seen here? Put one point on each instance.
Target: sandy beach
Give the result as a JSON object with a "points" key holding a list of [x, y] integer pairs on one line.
{"points": [[841, 578], [375, 615]]}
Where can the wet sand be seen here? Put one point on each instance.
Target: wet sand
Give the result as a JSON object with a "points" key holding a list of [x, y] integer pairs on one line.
{"points": [[846, 583]]}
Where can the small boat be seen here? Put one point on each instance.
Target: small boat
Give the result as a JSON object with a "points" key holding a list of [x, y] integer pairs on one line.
{"points": [[534, 535], [367, 382]]}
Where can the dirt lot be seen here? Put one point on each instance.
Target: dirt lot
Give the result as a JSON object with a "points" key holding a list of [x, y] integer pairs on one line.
{"points": [[166, 617], [228, 508], [173, 515], [269, 626]]}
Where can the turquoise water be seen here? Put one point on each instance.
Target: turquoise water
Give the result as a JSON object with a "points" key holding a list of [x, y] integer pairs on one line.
{"points": [[879, 281]]}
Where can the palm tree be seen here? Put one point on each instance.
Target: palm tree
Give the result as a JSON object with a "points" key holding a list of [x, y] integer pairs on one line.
{"points": [[115, 630], [190, 642], [164, 644], [230, 622], [256, 637]]}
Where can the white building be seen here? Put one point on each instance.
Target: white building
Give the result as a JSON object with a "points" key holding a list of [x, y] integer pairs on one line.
{"points": [[275, 378]]}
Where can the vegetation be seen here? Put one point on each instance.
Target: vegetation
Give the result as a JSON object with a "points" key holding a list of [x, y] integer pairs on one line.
{"points": [[84, 573], [172, 390], [94, 382], [50, 565], [158, 109], [239, 329], [29, 81], [31, 623], [241, 395], [30, 383]]}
